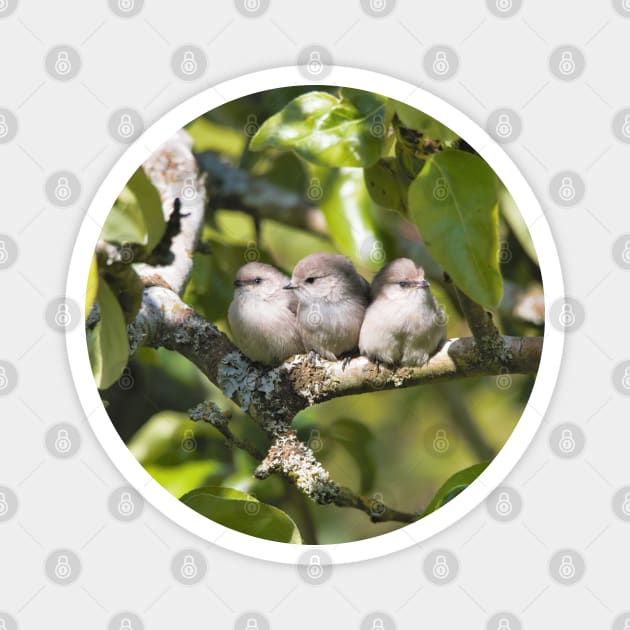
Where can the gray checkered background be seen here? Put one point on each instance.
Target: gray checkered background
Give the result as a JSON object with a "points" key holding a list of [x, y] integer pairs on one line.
{"points": [[549, 550]]}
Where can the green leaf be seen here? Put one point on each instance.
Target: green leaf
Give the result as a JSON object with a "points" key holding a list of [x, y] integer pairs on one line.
{"points": [[349, 214], [243, 513], [385, 186], [453, 486], [92, 286], [517, 224], [137, 215], [429, 127], [453, 201], [329, 131], [109, 345], [357, 440], [186, 476]]}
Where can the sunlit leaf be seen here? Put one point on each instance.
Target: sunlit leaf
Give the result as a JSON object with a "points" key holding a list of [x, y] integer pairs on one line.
{"points": [[515, 220], [243, 513], [327, 130], [385, 185], [429, 127], [454, 485], [92, 286], [453, 201], [137, 215], [109, 345], [349, 213], [186, 476]]}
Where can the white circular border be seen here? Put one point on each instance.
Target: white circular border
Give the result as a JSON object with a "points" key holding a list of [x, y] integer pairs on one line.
{"points": [[518, 441]]}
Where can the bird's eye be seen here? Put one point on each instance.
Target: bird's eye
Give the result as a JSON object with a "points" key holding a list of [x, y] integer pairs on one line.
{"points": [[310, 280], [403, 284], [257, 280]]}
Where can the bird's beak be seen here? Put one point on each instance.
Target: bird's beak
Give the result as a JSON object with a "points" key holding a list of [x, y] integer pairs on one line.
{"points": [[291, 285], [424, 284], [239, 283]]}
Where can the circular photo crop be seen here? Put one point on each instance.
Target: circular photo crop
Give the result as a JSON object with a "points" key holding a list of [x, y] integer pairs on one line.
{"points": [[315, 315]]}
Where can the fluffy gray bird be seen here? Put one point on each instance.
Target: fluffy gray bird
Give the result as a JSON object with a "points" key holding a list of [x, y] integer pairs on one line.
{"points": [[404, 324], [332, 298], [262, 315]]}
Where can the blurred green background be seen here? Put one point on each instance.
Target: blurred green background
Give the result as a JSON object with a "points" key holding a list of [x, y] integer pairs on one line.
{"points": [[397, 446]]}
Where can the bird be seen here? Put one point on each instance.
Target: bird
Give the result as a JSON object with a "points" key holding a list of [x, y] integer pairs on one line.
{"points": [[404, 323], [332, 298], [262, 315]]}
